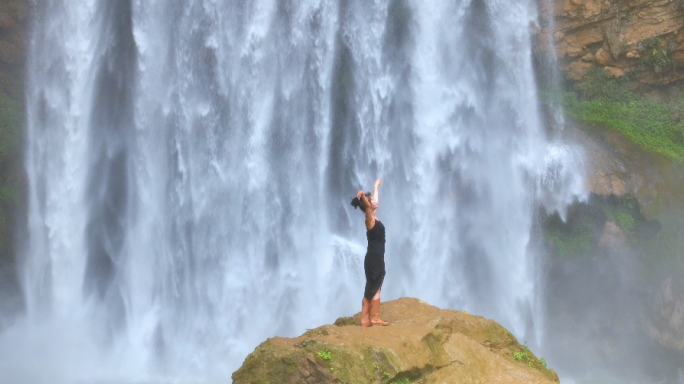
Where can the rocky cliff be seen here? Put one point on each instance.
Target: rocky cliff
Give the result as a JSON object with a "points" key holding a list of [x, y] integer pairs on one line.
{"points": [[423, 344], [644, 38], [617, 258]]}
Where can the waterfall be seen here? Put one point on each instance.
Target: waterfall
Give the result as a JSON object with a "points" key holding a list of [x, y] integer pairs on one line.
{"points": [[191, 163]]}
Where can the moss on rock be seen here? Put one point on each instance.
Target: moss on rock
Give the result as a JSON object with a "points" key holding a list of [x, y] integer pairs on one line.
{"points": [[423, 344]]}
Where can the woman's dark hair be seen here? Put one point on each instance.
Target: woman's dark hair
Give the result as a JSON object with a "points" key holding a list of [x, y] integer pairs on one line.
{"points": [[358, 203]]}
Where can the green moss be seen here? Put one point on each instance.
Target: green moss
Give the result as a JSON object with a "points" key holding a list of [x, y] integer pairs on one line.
{"points": [[625, 213], [521, 356], [626, 222], [325, 355], [326, 360], [346, 321], [578, 236], [655, 125], [571, 244], [522, 353]]}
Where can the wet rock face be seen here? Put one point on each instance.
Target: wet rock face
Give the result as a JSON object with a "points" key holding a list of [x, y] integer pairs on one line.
{"points": [[642, 37], [616, 166], [14, 25], [14, 22], [667, 323], [422, 344], [615, 261]]}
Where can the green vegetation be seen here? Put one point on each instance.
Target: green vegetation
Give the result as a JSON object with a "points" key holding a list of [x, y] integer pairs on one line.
{"points": [[657, 53], [529, 359], [517, 356], [346, 321], [626, 214], [400, 381], [325, 355], [578, 238], [579, 235], [386, 375], [655, 125]]}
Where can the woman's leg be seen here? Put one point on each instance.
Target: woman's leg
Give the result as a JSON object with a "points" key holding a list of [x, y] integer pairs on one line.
{"points": [[365, 313], [375, 310]]}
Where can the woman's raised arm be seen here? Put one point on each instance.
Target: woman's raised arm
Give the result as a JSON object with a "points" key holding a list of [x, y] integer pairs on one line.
{"points": [[376, 195]]}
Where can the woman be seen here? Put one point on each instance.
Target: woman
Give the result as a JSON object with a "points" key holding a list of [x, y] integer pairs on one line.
{"points": [[374, 263]]}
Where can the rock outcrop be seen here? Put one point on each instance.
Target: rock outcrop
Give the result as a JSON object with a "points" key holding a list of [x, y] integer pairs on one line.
{"points": [[642, 37], [423, 344]]}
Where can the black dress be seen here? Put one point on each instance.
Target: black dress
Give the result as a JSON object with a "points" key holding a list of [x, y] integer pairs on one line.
{"points": [[374, 263]]}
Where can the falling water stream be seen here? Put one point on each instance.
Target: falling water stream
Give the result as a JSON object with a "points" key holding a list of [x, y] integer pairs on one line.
{"points": [[191, 163]]}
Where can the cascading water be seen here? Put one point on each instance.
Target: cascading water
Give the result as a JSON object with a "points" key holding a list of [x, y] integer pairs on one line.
{"points": [[191, 165]]}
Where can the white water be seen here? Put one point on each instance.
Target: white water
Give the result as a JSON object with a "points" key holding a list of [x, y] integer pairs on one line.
{"points": [[191, 165]]}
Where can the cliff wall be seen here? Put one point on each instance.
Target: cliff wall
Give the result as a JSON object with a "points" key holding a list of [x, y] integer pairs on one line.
{"points": [[643, 38]]}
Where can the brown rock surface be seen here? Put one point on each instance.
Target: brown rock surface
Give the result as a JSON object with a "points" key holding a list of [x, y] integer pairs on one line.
{"points": [[603, 55], [620, 34], [667, 324], [577, 70], [612, 236], [422, 344], [615, 72]]}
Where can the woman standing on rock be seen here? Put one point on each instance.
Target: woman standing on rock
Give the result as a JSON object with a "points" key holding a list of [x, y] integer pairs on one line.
{"points": [[374, 263]]}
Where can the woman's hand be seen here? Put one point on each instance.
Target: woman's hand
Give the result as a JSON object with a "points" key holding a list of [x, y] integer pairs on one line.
{"points": [[378, 182], [359, 194]]}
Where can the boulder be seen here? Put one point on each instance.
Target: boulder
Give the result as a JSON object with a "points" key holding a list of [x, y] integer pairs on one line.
{"points": [[422, 344], [603, 56], [577, 70]]}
